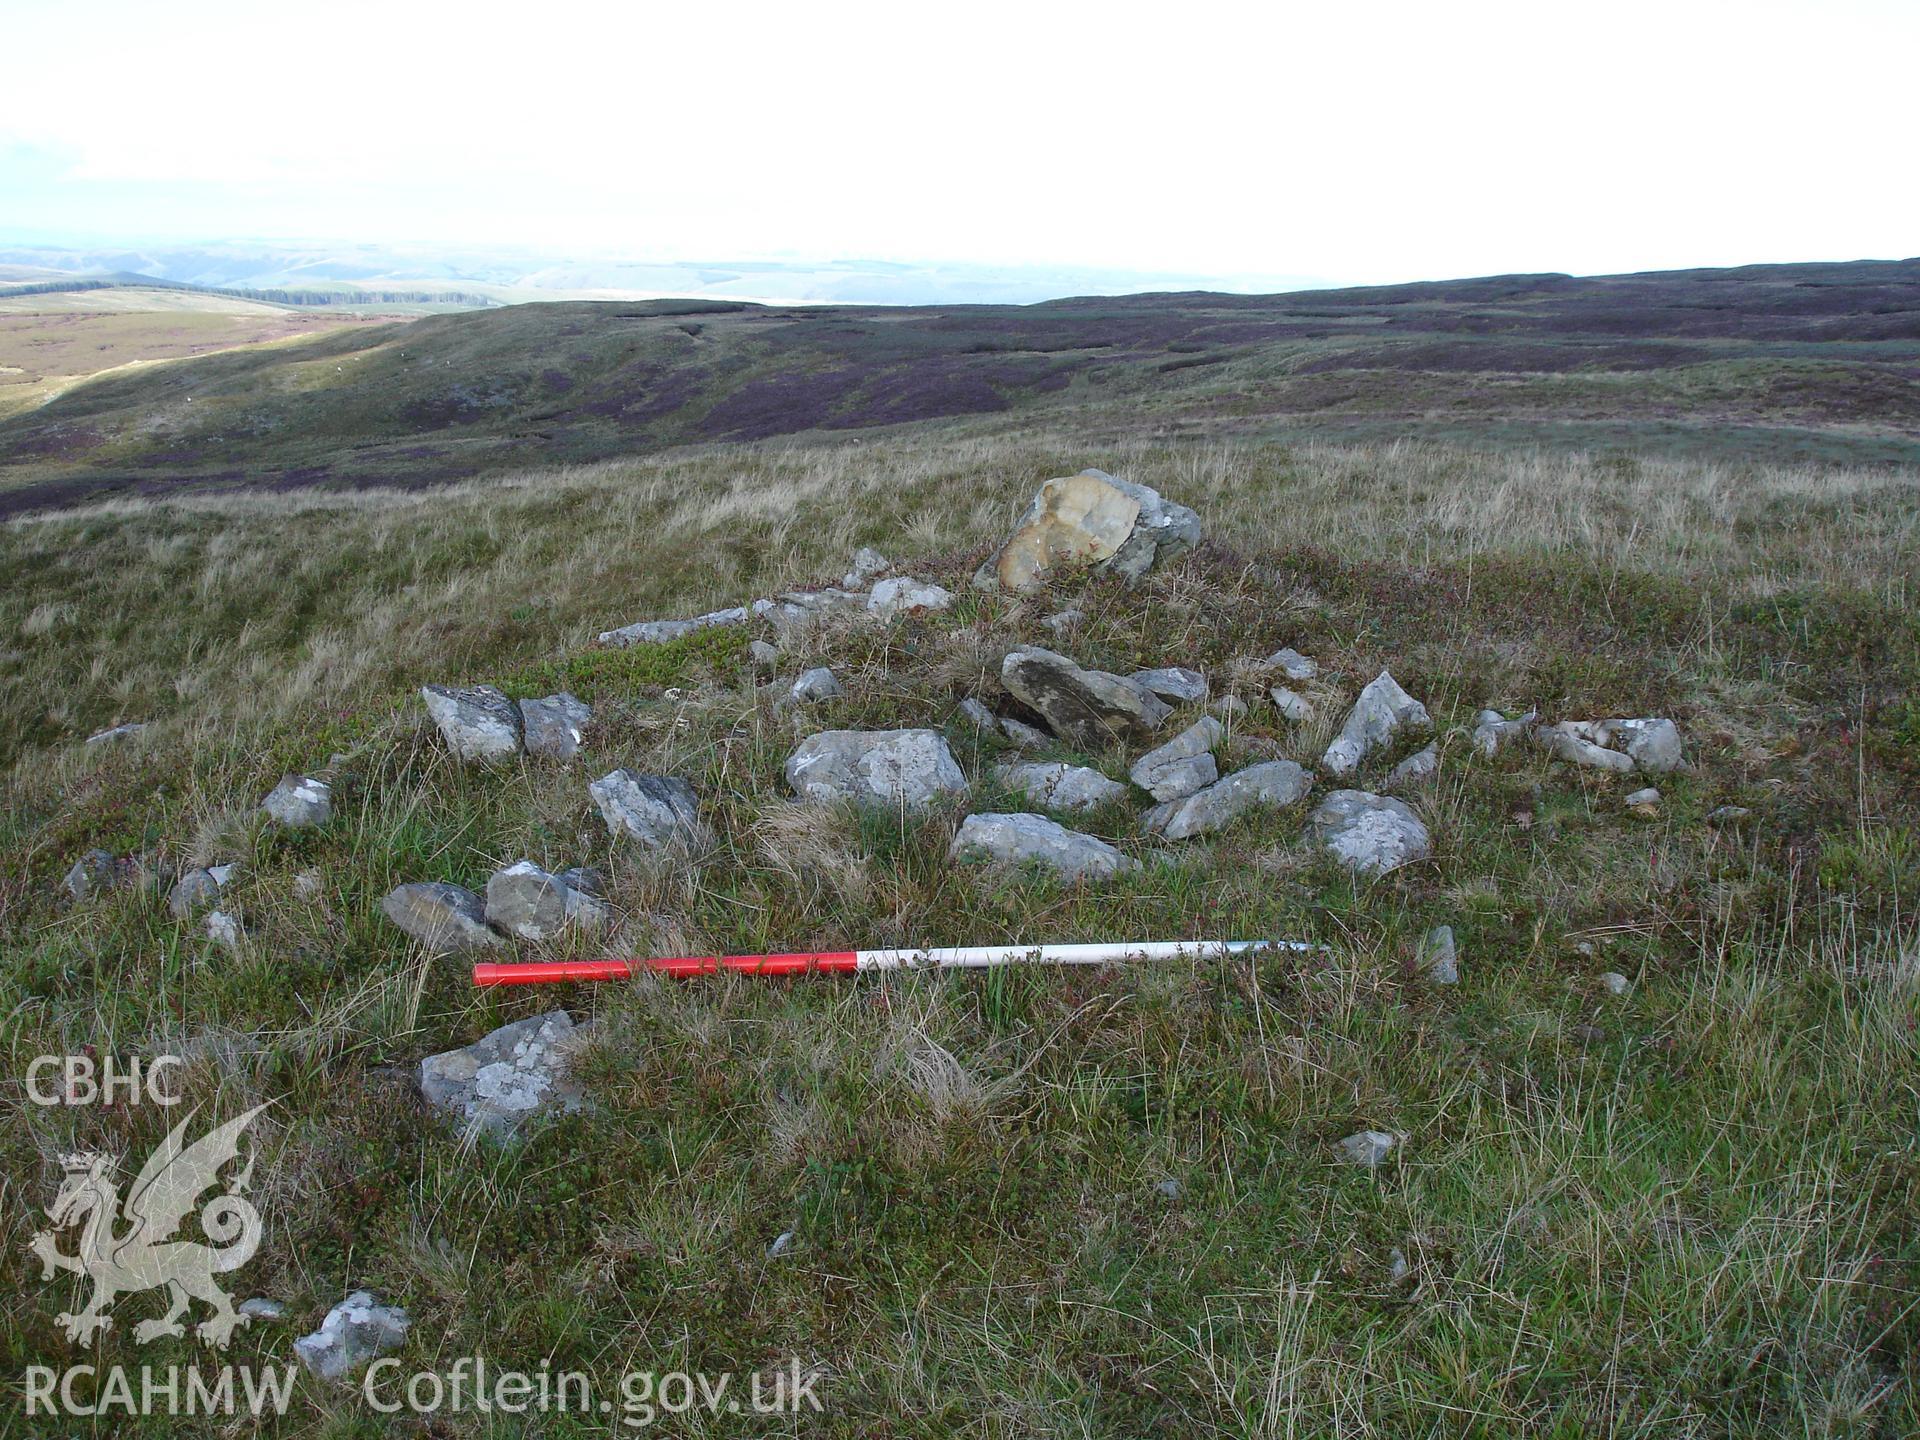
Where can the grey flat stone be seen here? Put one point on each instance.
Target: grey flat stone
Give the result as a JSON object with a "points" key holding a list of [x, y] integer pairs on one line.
{"points": [[553, 726], [1034, 839], [512, 1075], [356, 1331], [526, 901], [1272, 784], [1383, 713], [1090, 707], [1060, 786], [300, 802], [446, 918], [1368, 833], [658, 632], [656, 810], [1175, 684], [867, 767], [1183, 765], [478, 722]]}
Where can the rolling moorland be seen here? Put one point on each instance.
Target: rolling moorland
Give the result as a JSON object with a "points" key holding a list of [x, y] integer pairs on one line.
{"points": [[1816, 363], [1028, 1202]]}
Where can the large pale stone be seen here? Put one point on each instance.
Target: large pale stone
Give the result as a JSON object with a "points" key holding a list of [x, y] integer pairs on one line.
{"points": [[1175, 684], [357, 1330], [1090, 520], [1493, 732], [1369, 833], [1060, 786], [888, 767], [527, 901], [1381, 715], [904, 595], [517, 1072], [478, 721], [1089, 707], [1270, 784], [654, 809], [1183, 765], [300, 802], [445, 918], [1022, 839]]}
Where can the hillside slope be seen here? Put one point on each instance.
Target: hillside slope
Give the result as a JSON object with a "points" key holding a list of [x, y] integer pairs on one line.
{"points": [[1808, 362]]}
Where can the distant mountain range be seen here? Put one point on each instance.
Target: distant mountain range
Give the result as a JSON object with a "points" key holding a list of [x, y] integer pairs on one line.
{"points": [[505, 276]]}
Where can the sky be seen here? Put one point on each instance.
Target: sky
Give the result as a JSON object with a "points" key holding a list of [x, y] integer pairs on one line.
{"points": [[1352, 142]]}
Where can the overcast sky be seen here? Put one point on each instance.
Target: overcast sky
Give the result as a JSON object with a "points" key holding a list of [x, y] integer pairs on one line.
{"points": [[1350, 141]]}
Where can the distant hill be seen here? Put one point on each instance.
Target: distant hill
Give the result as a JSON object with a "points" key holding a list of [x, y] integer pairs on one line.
{"points": [[1800, 361]]}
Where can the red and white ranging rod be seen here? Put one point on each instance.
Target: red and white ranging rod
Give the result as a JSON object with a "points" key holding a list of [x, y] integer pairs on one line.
{"points": [[808, 962]]}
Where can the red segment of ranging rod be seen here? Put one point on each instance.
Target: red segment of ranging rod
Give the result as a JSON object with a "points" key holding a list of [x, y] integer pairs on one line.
{"points": [[547, 972], [544, 972]]}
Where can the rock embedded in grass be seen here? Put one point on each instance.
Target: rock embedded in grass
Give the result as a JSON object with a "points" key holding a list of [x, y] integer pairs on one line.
{"points": [[1292, 705], [193, 889], [356, 1331], [867, 563], [903, 595], [446, 918], [1175, 684], [656, 810], [498, 1083], [118, 732], [1729, 817], [1089, 707], [98, 871], [225, 930], [1060, 786], [976, 714], [1383, 713], [526, 901], [1021, 839], [300, 802], [1368, 833], [1651, 745], [1023, 735], [816, 686], [1493, 732], [1416, 769], [1272, 784], [478, 722], [1367, 1147], [554, 726], [1093, 521], [1289, 663], [1440, 956], [1654, 744], [1616, 983], [1643, 803], [658, 632], [1183, 765], [913, 768]]}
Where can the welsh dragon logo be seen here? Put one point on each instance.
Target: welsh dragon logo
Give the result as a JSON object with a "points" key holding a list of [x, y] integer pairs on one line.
{"points": [[146, 1255]]}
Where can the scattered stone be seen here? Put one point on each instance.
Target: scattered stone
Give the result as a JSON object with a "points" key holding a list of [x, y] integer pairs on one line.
{"points": [[445, 918], [478, 721], [889, 767], [1229, 707], [587, 879], [307, 885], [1060, 786], [1397, 1267], [1643, 803], [1290, 663], [525, 900], [658, 632], [1062, 621], [118, 732], [978, 715], [1292, 705], [223, 874], [1273, 784], [94, 872], [1416, 769], [796, 612], [1175, 684], [1369, 833], [194, 889], [1168, 1189], [1493, 732], [519, 1071], [259, 1307], [1091, 520], [903, 595], [1021, 839], [1439, 956], [1616, 983], [1729, 816], [1566, 741], [1183, 765], [1367, 1147], [867, 563], [1380, 716], [1653, 744], [764, 654], [357, 1330], [782, 1243], [225, 930], [654, 809], [553, 726], [1023, 735], [300, 802], [816, 686], [1090, 707]]}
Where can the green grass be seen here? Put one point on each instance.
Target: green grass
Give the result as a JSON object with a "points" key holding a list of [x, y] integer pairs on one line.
{"points": [[1689, 1210]]}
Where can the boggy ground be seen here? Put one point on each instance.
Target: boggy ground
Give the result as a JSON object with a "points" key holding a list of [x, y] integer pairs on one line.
{"points": [[1686, 1210]]}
